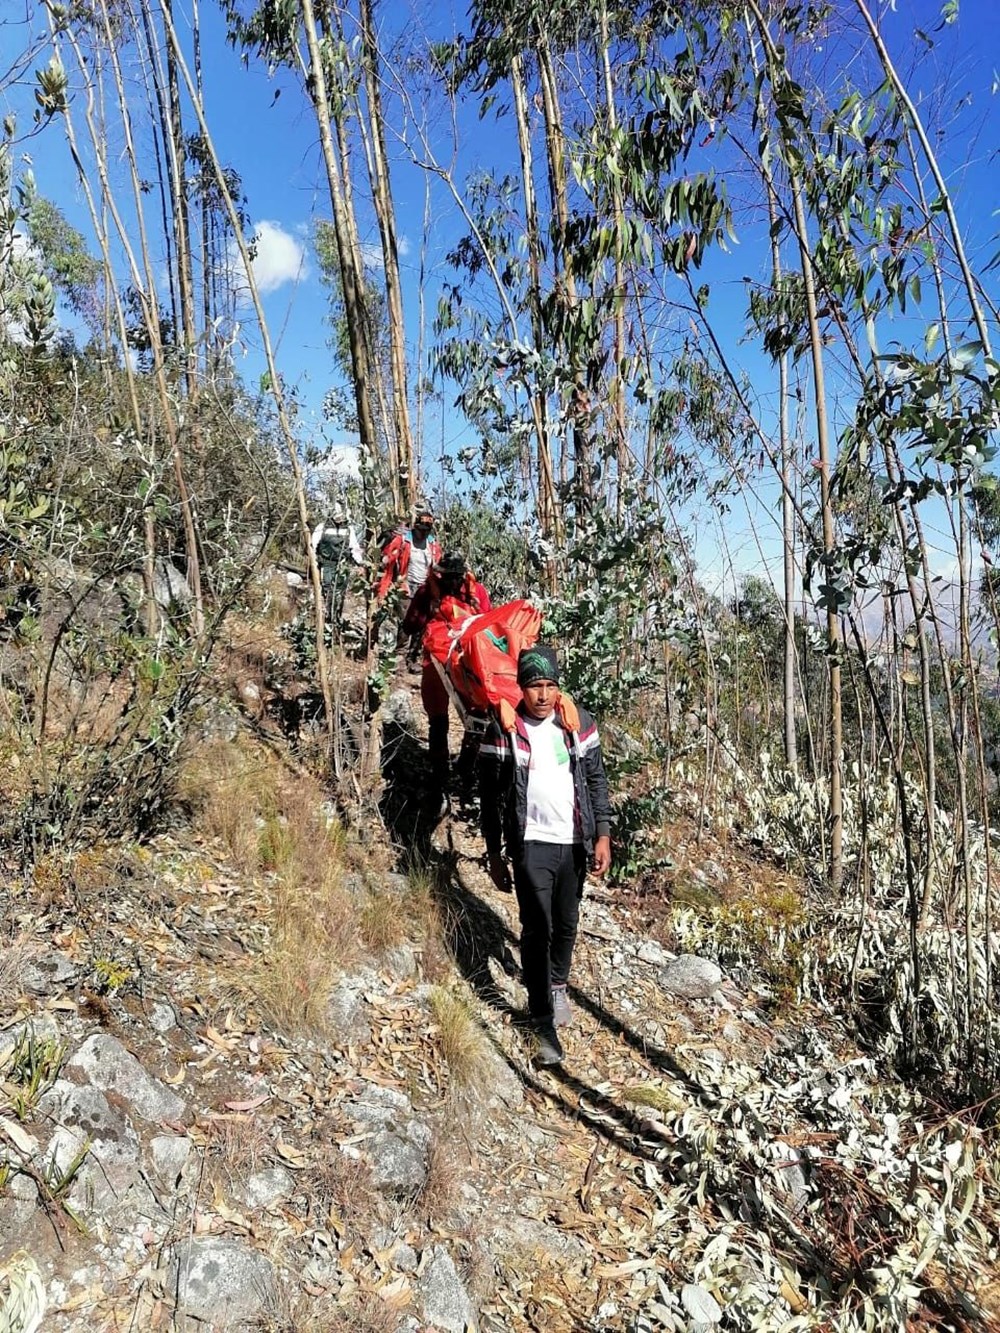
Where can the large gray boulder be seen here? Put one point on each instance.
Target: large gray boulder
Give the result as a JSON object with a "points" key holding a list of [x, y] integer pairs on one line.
{"points": [[106, 1064], [446, 1303], [92, 1158], [691, 977], [222, 1282]]}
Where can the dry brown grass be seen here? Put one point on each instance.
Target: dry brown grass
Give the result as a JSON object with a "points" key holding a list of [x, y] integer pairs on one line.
{"points": [[439, 1194], [363, 1313], [15, 955], [428, 930], [272, 824], [345, 1187], [382, 921], [237, 1144], [459, 1039]]}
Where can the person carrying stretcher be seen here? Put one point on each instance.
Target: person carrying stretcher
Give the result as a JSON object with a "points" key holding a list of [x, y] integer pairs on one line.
{"points": [[451, 592]]}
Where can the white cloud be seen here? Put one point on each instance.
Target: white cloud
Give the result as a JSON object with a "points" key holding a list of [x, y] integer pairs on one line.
{"points": [[278, 258], [343, 461]]}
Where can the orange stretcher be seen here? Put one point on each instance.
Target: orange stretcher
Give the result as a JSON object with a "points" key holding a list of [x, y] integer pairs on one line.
{"points": [[476, 657]]}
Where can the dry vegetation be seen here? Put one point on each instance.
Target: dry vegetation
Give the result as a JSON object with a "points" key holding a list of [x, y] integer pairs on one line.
{"points": [[460, 1039], [272, 823]]}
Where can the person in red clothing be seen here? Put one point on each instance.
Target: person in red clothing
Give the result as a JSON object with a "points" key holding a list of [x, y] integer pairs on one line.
{"points": [[450, 585], [407, 559]]}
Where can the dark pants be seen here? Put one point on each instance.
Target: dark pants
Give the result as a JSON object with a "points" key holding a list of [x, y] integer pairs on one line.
{"points": [[548, 880], [335, 579], [434, 698]]}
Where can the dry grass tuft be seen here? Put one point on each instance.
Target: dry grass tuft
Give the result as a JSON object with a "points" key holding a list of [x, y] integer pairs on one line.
{"points": [[383, 921], [271, 823], [348, 1193], [655, 1096], [15, 955], [428, 928], [439, 1194], [460, 1040], [363, 1313], [238, 1143]]}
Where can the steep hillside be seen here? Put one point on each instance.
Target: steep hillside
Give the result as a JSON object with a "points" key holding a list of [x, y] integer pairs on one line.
{"points": [[257, 1078]]}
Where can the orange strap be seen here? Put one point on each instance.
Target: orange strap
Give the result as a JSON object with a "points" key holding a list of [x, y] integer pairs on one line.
{"points": [[508, 717], [570, 712]]}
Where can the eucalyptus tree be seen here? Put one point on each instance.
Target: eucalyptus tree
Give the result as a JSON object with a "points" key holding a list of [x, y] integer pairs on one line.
{"points": [[343, 81]]}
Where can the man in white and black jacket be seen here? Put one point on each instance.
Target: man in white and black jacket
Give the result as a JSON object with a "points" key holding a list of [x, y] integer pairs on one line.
{"points": [[544, 798]]}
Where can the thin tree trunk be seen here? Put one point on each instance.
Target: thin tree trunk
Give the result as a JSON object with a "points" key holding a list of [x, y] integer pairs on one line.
{"points": [[566, 279], [620, 433], [385, 213], [833, 638], [548, 508], [351, 280], [284, 420]]}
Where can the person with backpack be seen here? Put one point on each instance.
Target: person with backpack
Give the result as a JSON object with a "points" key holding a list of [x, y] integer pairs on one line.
{"points": [[407, 559], [337, 548], [450, 590], [544, 805]]}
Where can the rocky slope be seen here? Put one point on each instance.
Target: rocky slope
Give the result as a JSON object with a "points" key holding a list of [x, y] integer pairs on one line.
{"points": [[175, 1160]]}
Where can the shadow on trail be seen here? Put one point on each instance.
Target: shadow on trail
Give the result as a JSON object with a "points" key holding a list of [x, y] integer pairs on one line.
{"points": [[404, 804]]}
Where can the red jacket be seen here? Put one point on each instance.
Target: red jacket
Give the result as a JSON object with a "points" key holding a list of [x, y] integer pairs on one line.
{"points": [[396, 559], [427, 601]]}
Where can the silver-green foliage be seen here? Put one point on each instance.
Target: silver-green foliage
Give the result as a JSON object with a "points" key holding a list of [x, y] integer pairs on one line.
{"points": [[915, 1005]]}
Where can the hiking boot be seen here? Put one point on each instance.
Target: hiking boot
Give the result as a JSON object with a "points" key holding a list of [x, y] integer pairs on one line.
{"points": [[562, 1014], [549, 1051]]}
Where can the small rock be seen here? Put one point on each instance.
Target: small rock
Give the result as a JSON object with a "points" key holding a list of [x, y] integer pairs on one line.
{"points": [[401, 961], [652, 952], [109, 1066], [41, 976], [791, 1178], [221, 1281], [503, 1083], [404, 1257], [170, 1154], [266, 1188], [398, 709], [529, 1233], [692, 977], [162, 1018], [399, 1166], [446, 1303]]}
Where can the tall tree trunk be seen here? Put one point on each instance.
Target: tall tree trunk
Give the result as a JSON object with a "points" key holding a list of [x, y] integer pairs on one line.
{"points": [[385, 213], [185, 287], [548, 503], [351, 279], [277, 392], [619, 432], [578, 409], [774, 61]]}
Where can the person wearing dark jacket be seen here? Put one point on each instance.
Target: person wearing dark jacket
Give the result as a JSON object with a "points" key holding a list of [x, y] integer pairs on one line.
{"points": [[544, 805]]}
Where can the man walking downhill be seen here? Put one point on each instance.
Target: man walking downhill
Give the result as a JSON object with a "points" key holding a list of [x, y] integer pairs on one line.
{"points": [[544, 795], [407, 559], [337, 549]]}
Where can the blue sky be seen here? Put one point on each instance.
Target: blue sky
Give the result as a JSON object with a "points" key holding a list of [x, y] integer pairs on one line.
{"points": [[264, 128]]}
